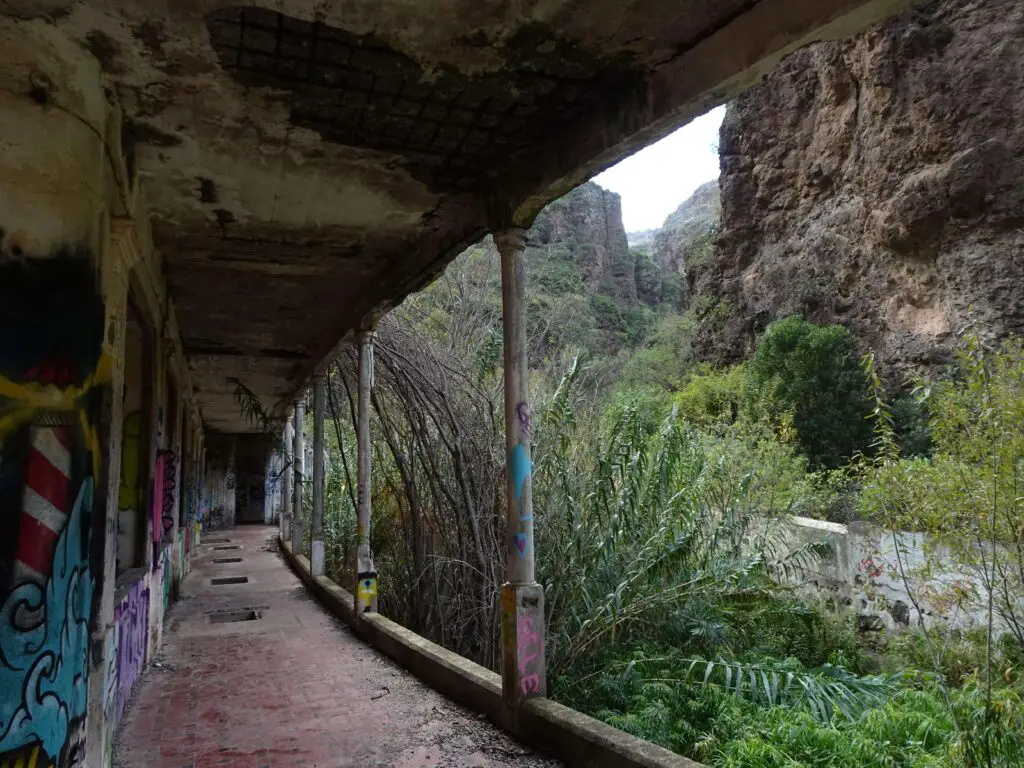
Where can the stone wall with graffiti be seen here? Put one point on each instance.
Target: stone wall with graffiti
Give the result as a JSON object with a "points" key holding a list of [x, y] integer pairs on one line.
{"points": [[54, 376], [131, 489], [74, 638], [273, 487], [131, 628], [868, 570], [168, 493], [52, 371], [99, 513]]}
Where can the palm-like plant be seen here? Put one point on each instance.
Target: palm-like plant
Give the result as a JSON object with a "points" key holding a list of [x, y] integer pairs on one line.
{"points": [[825, 691], [649, 527]]}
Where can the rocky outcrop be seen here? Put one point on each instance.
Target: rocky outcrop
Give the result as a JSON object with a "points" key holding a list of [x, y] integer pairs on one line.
{"points": [[682, 244], [684, 232], [585, 227], [879, 183]]}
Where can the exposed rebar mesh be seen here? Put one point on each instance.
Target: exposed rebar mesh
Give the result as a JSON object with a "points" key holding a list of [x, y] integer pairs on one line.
{"points": [[355, 90]]}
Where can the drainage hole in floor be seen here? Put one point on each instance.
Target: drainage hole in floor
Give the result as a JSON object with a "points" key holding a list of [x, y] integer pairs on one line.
{"points": [[228, 560], [233, 616], [230, 580], [232, 546]]}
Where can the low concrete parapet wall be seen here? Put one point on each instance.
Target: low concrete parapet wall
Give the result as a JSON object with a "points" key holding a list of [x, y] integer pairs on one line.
{"points": [[873, 568], [576, 739]]}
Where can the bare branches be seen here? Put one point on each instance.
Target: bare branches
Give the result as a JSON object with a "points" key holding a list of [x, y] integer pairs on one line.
{"points": [[438, 487]]}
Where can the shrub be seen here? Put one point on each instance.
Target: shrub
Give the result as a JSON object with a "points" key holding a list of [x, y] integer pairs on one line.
{"points": [[637, 322], [640, 528], [556, 276], [712, 397], [812, 372], [967, 495], [607, 312], [665, 360], [910, 423]]}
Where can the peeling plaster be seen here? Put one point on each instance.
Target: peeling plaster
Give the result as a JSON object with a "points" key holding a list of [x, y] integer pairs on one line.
{"points": [[282, 223]]}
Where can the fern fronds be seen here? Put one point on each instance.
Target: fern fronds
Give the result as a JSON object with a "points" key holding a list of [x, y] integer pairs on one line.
{"points": [[825, 691]]}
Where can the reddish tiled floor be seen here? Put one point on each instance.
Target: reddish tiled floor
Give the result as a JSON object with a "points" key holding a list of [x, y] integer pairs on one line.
{"points": [[294, 688]]}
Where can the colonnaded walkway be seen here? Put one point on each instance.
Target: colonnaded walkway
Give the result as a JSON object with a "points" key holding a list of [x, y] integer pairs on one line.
{"points": [[292, 688]]}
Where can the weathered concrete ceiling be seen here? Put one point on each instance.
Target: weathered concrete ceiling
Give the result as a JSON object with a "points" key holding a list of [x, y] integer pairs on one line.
{"points": [[308, 163]]}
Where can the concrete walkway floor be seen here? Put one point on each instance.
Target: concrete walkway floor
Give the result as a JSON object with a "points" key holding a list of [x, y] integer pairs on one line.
{"points": [[292, 688]]}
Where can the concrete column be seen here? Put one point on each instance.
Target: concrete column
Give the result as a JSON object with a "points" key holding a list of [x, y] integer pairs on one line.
{"points": [[299, 469], [316, 558], [366, 574], [288, 438], [522, 599]]}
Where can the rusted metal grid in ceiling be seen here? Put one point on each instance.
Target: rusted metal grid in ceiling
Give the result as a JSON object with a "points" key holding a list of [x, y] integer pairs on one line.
{"points": [[450, 129]]}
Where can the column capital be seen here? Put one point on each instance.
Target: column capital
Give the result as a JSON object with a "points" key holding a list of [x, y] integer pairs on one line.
{"points": [[513, 238], [366, 335]]}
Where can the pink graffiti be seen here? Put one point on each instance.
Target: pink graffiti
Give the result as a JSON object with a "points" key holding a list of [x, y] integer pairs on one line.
{"points": [[873, 570], [522, 541], [523, 414], [531, 646], [530, 684]]}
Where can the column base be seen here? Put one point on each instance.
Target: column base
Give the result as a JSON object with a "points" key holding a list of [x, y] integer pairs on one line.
{"points": [[316, 560], [366, 581], [297, 538], [286, 529], [523, 671]]}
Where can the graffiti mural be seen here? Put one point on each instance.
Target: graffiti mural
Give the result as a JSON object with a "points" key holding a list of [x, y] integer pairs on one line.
{"points": [[523, 416], [52, 371], [45, 663], [131, 617], [182, 559], [520, 468], [110, 697], [167, 492]]}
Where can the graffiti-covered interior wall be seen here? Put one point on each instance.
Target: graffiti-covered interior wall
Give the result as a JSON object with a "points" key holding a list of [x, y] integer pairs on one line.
{"points": [[54, 381], [52, 371], [77, 427]]}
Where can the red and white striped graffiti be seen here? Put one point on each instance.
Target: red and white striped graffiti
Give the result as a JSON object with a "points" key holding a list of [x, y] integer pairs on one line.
{"points": [[46, 502]]}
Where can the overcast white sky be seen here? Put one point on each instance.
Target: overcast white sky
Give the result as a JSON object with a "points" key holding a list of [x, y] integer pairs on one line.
{"points": [[654, 181]]}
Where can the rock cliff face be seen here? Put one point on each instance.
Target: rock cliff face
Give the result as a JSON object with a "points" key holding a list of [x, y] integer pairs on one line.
{"points": [[674, 246], [879, 183], [683, 243], [585, 227]]}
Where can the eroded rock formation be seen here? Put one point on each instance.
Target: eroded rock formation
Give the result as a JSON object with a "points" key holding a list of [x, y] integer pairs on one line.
{"points": [[585, 227], [878, 183]]}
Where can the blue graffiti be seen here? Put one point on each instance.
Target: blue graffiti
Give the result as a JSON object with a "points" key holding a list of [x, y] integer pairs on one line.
{"points": [[519, 466], [48, 663]]}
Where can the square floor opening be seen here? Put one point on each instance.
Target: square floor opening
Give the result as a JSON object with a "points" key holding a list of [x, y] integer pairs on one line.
{"points": [[229, 617], [229, 580]]}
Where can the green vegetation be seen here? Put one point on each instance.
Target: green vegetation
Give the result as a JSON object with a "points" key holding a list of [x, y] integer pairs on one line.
{"points": [[673, 615], [969, 494], [811, 373], [664, 491]]}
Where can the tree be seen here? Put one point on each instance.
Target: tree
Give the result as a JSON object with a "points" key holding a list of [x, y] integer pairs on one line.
{"points": [[811, 373]]}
